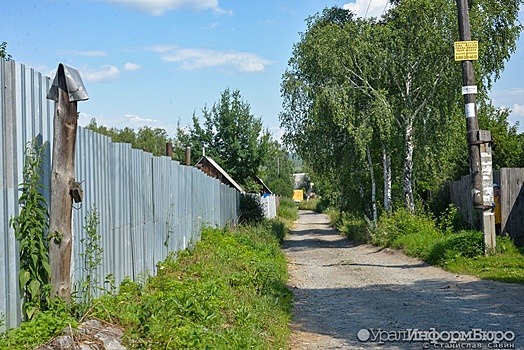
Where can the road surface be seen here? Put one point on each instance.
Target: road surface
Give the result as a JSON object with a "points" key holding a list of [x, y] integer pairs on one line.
{"points": [[350, 296]]}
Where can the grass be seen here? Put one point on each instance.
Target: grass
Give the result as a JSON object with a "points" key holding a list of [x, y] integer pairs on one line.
{"points": [[310, 204], [287, 210], [507, 265], [438, 243], [229, 292]]}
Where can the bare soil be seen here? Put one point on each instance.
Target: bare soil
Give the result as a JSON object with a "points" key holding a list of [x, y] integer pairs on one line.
{"points": [[347, 294]]}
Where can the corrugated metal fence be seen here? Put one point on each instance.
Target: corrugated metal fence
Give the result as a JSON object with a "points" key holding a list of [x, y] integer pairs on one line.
{"points": [[511, 182], [148, 206]]}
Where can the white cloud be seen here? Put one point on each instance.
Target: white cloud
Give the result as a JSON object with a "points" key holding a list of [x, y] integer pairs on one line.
{"points": [[159, 7], [139, 120], [191, 59], [367, 8], [518, 110], [277, 133], [104, 73], [92, 53], [512, 99], [129, 66], [132, 121]]}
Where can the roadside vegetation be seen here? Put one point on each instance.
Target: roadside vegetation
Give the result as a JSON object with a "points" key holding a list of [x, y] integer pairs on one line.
{"points": [[310, 204], [382, 134], [228, 292], [439, 242], [287, 211]]}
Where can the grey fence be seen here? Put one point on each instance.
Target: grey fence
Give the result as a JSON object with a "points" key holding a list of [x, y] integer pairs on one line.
{"points": [[148, 206], [511, 182]]}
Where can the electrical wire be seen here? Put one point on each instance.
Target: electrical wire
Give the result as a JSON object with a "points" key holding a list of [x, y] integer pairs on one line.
{"points": [[385, 7], [369, 5]]}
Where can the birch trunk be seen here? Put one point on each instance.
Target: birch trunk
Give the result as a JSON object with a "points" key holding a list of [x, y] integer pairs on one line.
{"points": [[407, 179], [386, 163], [373, 188]]}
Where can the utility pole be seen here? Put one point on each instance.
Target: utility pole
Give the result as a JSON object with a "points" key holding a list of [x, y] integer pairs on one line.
{"points": [[479, 142]]}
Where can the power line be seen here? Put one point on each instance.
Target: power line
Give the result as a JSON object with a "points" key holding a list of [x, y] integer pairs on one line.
{"points": [[369, 5], [385, 7]]}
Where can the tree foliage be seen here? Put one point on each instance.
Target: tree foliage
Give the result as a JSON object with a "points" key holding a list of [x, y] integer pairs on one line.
{"points": [[3, 52], [232, 136], [370, 101], [145, 138], [277, 170], [507, 143]]}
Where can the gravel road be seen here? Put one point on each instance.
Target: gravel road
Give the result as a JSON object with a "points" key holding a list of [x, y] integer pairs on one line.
{"points": [[349, 296]]}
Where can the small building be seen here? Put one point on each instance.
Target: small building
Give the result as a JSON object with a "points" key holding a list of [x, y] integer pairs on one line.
{"points": [[211, 168], [263, 189]]}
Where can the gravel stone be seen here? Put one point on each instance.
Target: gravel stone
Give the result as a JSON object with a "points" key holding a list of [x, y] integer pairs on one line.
{"points": [[346, 292]]}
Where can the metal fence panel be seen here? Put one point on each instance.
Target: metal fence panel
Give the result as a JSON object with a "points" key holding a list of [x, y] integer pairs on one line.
{"points": [[9, 179], [147, 206]]}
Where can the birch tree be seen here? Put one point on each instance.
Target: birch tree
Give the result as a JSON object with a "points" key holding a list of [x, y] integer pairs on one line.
{"points": [[397, 76]]}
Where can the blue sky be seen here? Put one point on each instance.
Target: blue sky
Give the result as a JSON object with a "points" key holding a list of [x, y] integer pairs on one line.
{"points": [[156, 62]]}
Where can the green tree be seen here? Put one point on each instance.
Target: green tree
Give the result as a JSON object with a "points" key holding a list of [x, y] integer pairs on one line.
{"points": [[507, 143], [358, 93], [277, 170], [146, 138], [233, 137], [3, 52]]}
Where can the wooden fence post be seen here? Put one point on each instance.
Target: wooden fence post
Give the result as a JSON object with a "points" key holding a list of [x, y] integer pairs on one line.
{"points": [[66, 90], [488, 215]]}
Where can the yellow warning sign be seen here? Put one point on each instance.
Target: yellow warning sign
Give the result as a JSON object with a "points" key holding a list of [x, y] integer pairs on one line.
{"points": [[466, 50]]}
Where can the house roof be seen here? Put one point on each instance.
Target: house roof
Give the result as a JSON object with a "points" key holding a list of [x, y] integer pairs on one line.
{"points": [[218, 168], [266, 189]]}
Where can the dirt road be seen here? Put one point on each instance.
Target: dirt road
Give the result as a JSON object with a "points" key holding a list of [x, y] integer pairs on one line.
{"points": [[350, 296]]}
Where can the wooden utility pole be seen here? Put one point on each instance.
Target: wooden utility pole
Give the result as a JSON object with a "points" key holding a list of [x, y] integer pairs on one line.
{"points": [[66, 90], [479, 142]]}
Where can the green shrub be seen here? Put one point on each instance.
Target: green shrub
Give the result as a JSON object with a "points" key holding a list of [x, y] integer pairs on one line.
{"points": [[335, 218], [251, 211], [42, 327], [30, 229], [279, 229], [401, 223], [466, 244], [354, 227]]}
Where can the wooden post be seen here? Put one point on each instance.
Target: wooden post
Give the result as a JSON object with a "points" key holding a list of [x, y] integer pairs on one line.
{"points": [[488, 215], [188, 156], [169, 149], [63, 178]]}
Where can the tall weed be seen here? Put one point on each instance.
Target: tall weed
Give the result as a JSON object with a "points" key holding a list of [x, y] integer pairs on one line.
{"points": [[30, 228], [229, 292]]}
